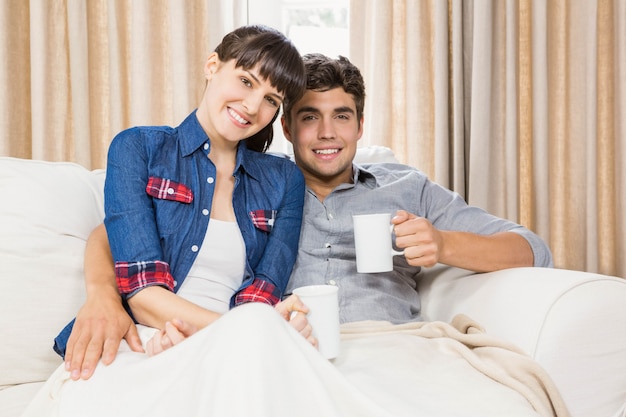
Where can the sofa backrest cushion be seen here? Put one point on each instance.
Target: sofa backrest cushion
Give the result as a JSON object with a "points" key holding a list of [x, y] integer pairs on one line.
{"points": [[47, 211]]}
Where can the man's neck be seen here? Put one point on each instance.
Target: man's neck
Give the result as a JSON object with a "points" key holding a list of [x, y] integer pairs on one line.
{"points": [[322, 187]]}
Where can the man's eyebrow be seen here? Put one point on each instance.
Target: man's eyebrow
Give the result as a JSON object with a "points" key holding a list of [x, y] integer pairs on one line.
{"points": [[311, 109], [256, 80], [344, 109], [307, 109]]}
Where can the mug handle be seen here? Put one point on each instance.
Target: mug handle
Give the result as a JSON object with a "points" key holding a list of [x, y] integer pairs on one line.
{"points": [[393, 251]]}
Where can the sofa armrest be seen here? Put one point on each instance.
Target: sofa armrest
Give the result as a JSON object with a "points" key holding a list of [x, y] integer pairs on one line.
{"points": [[572, 323]]}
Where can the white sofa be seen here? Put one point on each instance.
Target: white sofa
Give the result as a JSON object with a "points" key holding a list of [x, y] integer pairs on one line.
{"points": [[572, 323]]}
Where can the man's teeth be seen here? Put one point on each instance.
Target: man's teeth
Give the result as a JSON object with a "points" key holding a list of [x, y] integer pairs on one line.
{"points": [[326, 151], [237, 117]]}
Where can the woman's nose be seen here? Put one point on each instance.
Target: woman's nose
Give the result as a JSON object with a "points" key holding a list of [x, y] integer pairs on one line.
{"points": [[252, 102]]}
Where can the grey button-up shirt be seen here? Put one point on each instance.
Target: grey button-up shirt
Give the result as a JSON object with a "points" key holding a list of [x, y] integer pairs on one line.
{"points": [[327, 255]]}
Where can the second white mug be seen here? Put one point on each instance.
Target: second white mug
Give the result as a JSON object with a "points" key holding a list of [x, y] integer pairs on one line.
{"points": [[323, 316], [372, 241]]}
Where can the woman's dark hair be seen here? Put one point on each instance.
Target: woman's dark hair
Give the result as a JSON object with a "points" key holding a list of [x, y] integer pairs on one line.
{"points": [[324, 73], [278, 61]]}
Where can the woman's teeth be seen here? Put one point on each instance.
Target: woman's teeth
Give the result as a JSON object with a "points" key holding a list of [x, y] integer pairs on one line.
{"points": [[237, 117]]}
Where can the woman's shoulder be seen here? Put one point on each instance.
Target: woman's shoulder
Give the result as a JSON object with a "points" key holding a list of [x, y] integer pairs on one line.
{"points": [[138, 133], [270, 160], [142, 138], [272, 166]]}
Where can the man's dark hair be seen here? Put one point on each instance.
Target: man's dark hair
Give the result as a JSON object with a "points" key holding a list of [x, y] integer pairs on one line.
{"points": [[324, 73]]}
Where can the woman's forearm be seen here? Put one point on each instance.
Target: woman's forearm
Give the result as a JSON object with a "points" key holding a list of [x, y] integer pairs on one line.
{"points": [[155, 305], [152, 306], [99, 269]]}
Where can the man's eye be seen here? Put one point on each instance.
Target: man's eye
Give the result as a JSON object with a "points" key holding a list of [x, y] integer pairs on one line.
{"points": [[343, 117], [309, 117]]}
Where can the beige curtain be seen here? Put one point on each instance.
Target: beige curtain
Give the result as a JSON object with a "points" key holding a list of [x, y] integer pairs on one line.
{"points": [[76, 72], [518, 105]]}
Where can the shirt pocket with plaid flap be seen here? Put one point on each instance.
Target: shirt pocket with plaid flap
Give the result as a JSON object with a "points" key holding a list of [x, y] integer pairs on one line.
{"points": [[172, 203]]}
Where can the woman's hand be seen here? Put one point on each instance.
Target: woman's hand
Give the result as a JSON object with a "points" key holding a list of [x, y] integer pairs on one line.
{"points": [[174, 332], [294, 311]]}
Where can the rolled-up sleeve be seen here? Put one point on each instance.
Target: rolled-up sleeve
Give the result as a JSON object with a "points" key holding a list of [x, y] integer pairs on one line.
{"points": [[129, 217], [448, 211]]}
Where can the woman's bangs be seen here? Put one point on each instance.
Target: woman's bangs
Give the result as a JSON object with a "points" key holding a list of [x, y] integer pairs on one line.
{"points": [[278, 63]]}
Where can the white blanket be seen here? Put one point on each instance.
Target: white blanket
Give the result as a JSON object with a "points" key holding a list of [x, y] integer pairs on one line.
{"points": [[252, 363]]}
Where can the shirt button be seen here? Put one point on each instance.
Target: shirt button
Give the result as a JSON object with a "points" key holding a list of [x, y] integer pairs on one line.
{"points": [[170, 191], [205, 212], [194, 248], [330, 216], [210, 180], [175, 283], [327, 245], [332, 282], [206, 146]]}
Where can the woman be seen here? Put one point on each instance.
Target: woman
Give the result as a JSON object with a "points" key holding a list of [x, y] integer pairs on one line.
{"points": [[199, 220]]}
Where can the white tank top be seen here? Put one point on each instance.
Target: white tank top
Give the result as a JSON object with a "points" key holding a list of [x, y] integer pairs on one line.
{"points": [[218, 269]]}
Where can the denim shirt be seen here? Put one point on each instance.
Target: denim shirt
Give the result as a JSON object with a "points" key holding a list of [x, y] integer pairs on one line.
{"points": [[158, 193], [327, 254]]}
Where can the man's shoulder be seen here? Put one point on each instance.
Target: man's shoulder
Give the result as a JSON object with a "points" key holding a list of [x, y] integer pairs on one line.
{"points": [[390, 171]]}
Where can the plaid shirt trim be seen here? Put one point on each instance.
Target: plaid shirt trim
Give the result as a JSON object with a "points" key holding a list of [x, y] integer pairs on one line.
{"points": [[165, 189], [258, 292], [134, 276], [263, 219]]}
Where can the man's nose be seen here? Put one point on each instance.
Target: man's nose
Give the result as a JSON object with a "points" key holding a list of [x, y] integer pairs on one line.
{"points": [[327, 129]]}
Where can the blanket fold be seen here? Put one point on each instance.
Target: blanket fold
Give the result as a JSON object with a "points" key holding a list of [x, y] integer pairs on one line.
{"points": [[499, 360]]}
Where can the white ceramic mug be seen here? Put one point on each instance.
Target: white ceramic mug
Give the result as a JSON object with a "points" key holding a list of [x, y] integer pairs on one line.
{"points": [[372, 241], [323, 316]]}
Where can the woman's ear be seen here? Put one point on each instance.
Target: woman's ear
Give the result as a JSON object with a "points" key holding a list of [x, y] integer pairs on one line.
{"points": [[211, 66]]}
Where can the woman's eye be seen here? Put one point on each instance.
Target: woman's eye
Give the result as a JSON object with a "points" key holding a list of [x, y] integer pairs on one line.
{"points": [[246, 82], [272, 101]]}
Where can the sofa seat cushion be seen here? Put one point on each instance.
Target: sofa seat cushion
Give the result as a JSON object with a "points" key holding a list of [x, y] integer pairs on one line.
{"points": [[14, 399]]}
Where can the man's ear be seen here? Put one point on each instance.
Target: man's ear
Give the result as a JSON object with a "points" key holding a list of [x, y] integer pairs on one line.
{"points": [[285, 125], [360, 132], [211, 66]]}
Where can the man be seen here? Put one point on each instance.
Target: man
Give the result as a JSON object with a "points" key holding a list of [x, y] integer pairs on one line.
{"points": [[432, 224], [437, 226]]}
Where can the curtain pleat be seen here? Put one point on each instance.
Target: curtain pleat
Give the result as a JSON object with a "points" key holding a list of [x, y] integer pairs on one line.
{"points": [[527, 209], [606, 189], [15, 63], [457, 166]]}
